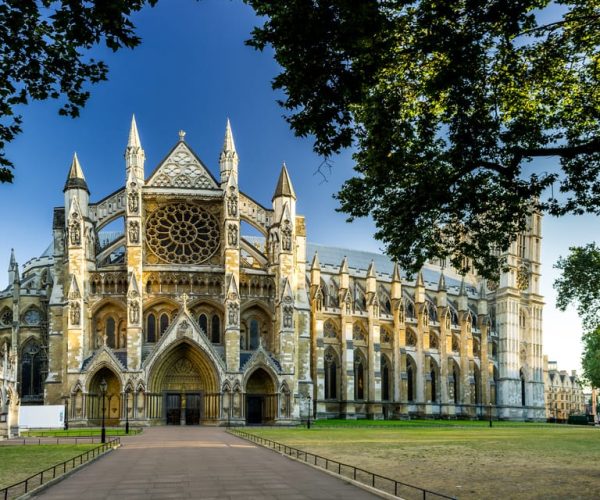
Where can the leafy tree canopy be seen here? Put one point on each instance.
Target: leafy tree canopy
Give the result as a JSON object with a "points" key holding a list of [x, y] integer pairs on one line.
{"points": [[579, 285], [42, 54], [446, 103]]}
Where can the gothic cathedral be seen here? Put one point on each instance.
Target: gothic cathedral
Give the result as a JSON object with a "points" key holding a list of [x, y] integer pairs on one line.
{"points": [[181, 318]]}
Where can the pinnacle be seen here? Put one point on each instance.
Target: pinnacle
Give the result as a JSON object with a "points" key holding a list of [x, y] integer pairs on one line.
{"points": [[134, 136], [228, 143], [371, 270], [75, 179], [315, 262], [284, 184], [442, 282], [420, 281]]}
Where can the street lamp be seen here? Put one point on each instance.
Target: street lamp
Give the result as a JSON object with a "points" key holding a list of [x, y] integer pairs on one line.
{"points": [[103, 386], [490, 412], [309, 411], [66, 398], [127, 410]]}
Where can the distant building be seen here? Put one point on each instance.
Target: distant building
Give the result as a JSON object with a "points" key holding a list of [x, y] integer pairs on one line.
{"points": [[564, 393], [185, 316]]}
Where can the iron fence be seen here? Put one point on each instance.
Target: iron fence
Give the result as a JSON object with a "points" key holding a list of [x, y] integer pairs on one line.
{"points": [[32, 482], [382, 483]]}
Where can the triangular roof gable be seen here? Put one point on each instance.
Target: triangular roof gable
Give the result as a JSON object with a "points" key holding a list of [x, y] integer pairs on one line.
{"points": [[182, 168]]}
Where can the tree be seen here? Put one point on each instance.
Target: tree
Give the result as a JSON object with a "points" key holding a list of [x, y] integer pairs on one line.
{"points": [[579, 285], [446, 103], [43, 45]]}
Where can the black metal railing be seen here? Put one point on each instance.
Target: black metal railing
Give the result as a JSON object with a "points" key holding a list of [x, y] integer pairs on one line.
{"points": [[377, 481], [32, 482]]}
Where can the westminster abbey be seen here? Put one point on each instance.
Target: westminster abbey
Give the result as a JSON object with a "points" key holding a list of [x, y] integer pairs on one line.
{"points": [[180, 318]]}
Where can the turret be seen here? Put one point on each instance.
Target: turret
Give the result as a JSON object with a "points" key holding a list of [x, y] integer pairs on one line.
{"points": [[371, 278], [315, 271], [13, 269], [463, 298], [420, 289], [284, 195], [344, 274], [76, 187], [228, 159], [442, 293], [134, 154], [396, 289]]}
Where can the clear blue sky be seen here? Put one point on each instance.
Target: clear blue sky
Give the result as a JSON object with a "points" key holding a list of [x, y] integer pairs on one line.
{"points": [[191, 72]]}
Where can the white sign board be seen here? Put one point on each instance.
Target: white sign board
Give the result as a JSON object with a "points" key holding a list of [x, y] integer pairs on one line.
{"points": [[42, 417]]}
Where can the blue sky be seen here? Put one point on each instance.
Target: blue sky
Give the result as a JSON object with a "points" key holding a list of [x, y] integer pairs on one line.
{"points": [[191, 72]]}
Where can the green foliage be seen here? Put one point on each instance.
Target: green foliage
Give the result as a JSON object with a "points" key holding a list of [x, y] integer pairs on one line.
{"points": [[579, 285], [446, 102], [43, 45]]}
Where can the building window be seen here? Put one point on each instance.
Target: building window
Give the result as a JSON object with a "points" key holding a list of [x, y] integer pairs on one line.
{"points": [[216, 329], [330, 376], [254, 334], [203, 322], [359, 378], [385, 379], [151, 328], [110, 332], [164, 323], [31, 370]]}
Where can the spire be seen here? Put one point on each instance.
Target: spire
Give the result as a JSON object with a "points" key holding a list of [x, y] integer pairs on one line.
{"points": [[442, 283], [371, 278], [13, 268], [134, 137], [316, 265], [284, 184], [13, 260], [463, 299], [75, 179], [371, 270], [396, 288], [481, 301], [228, 144], [463, 288], [344, 265], [420, 281]]}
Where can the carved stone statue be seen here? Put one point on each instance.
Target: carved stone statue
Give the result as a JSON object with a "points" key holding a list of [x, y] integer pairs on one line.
{"points": [[232, 316], [134, 231], [232, 234], [75, 310], [134, 312], [286, 236], [75, 229], [232, 203], [133, 199]]}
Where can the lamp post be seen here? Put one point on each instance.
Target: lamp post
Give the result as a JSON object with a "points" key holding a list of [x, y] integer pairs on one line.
{"points": [[309, 411], [127, 410], [490, 413], [66, 398], [103, 386]]}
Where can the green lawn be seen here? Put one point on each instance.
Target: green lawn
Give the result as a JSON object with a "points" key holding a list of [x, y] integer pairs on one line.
{"points": [[423, 423], [78, 432], [474, 461], [18, 462]]}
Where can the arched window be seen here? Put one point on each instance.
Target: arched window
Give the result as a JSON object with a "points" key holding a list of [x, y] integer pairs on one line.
{"points": [[151, 328], [359, 377], [432, 374], [110, 332], [455, 384], [385, 379], [216, 329], [522, 377], [31, 370], [254, 334], [410, 382], [164, 323], [330, 375], [203, 322]]}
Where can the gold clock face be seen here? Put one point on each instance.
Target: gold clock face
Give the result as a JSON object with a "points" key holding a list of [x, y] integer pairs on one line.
{"points": [[182, 233]]}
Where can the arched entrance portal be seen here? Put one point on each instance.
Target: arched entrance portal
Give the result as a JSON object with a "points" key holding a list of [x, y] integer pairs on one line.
{"points": [[112, 398], [184, 388], [261, 398]]}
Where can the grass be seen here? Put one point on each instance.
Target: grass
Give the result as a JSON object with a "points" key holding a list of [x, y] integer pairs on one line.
{"points": [[21, 461], [473, 461], [85, 432], [422, 423]]}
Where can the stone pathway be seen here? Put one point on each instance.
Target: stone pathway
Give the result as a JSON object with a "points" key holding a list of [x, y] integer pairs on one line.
{"points": [[198, 462]]}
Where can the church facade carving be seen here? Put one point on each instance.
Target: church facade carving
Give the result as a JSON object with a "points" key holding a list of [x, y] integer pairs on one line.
{"points": [[188, 321]]}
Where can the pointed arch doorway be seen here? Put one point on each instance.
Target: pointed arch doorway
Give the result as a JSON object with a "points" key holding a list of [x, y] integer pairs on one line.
{"points": [[261, 398], [185, 387]]}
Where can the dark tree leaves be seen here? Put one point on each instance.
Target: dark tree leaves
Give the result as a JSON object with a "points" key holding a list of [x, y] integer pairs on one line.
{"points": [[42, 55], [446, 103]]}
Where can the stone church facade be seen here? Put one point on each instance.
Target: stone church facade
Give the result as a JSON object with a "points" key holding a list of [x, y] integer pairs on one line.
{"points": [[189, 320]]}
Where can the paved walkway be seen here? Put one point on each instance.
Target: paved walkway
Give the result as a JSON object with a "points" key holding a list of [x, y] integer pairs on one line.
{"points": [[198, 462]]}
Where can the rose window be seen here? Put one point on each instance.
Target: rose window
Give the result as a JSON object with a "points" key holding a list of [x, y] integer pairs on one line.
{"points": [[182, 233]]}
